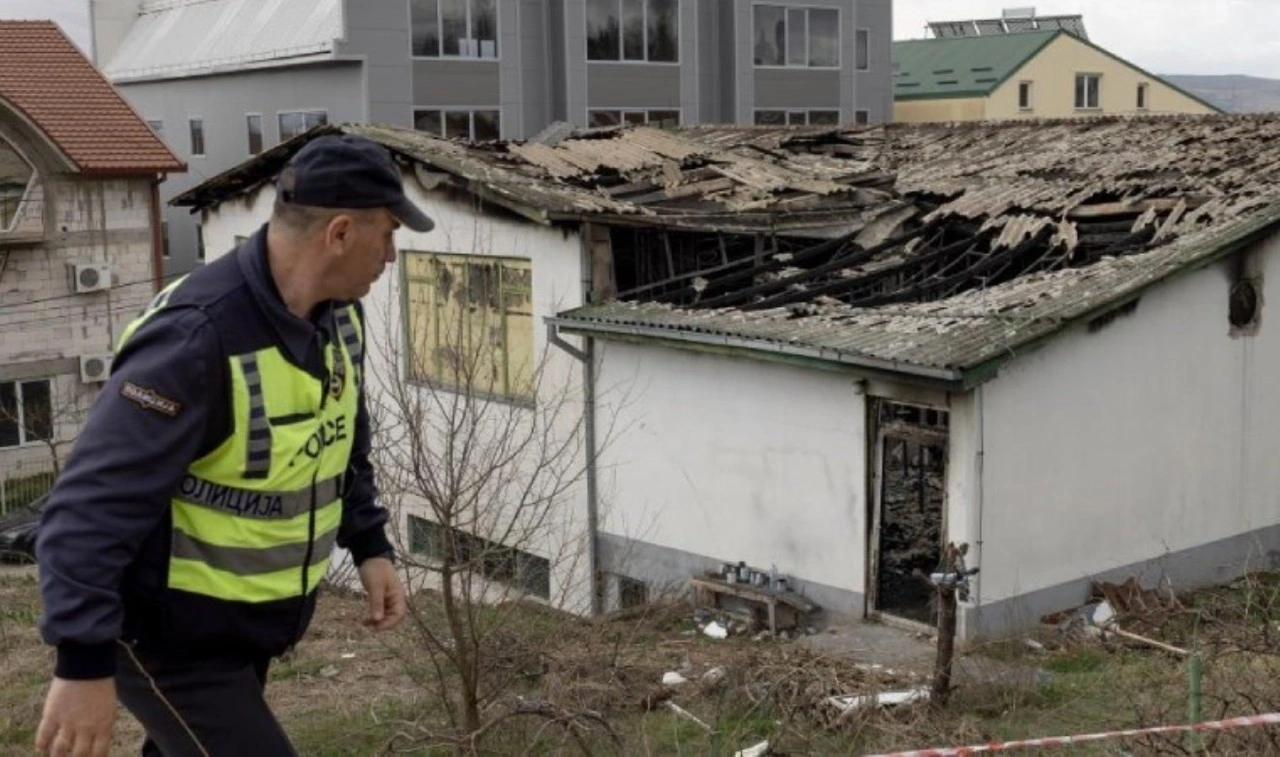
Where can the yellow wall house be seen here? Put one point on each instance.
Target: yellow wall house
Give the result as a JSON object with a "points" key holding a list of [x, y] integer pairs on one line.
{"points": [[1038, 74]]}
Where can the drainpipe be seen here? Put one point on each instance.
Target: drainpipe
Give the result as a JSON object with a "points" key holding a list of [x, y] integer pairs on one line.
{"points": [[586, 356], [157, 238], [976, 528]]}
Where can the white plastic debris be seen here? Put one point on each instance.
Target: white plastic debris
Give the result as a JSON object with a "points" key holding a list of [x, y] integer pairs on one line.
{"points": [[673, 679], [759, 750], [716, 631], [328, 671], [1103, 614], [1033, 645], [348, 655], [714, 676], [885, 699]]}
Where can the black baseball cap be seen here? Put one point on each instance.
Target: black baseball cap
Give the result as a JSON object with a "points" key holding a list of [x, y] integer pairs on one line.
{"points": [[349, 172]]}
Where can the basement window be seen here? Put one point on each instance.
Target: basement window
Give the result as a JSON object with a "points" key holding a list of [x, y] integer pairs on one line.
{"points": [[521, 570]]}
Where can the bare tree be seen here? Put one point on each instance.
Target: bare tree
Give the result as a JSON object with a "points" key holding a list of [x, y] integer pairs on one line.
{"points": [[47, 412], [481, 444]]}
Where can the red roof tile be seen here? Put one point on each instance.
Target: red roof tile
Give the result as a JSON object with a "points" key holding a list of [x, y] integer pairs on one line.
{"points": [[45, 76]]}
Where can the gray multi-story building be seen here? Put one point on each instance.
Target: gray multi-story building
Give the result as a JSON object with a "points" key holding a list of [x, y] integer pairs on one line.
{"points": [[222, 80]]}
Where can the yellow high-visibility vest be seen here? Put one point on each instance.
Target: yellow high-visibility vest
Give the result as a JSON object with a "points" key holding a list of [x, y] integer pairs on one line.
{"points": [[260, 512]]}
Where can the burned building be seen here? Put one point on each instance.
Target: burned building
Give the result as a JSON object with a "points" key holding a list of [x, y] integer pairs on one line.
{"points": [[845, 348]]}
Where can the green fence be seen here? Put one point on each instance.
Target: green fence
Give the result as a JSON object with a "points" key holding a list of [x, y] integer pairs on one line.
{"points": [[19, 491]]}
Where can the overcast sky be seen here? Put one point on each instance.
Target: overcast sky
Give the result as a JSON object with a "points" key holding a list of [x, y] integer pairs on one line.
{"points": [[1162, 36], [71, 15]]}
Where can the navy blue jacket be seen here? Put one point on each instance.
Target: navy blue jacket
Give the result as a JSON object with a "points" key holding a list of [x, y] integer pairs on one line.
{"points": [[104, 539]]}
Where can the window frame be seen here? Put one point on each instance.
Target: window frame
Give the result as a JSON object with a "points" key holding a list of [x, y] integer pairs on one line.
{"points": [[622, 113], [621, 60], [523, 397], [787, 113], [304, 112], [444, 110], [497, 39], [808, 44], [191, 136], [262, 134], [1097, 92], [1027, 86], [20, 421], [426, 539], [859, 53]]}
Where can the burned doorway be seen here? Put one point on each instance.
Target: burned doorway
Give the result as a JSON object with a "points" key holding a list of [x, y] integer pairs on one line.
{"points": [[908, 507]]}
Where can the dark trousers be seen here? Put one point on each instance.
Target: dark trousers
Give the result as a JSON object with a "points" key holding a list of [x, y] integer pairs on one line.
{"points": [[206, 708]]}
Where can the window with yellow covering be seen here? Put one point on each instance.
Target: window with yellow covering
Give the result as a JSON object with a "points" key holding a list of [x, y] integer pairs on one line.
{"points": [[469, 323]]}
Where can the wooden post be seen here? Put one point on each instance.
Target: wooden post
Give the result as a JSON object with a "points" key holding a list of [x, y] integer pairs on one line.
{"points": [[946, 643]]}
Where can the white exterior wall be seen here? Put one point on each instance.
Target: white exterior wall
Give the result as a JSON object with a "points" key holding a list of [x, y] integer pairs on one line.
{"points": [[730, 459], [557, 285], [1151, 437]]}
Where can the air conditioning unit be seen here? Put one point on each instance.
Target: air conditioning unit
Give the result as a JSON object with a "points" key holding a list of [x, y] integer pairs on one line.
{"points": [[91, 277], [94, 369]]}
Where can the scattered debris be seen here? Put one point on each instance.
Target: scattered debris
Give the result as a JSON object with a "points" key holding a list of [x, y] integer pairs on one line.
{"points": [[349, 655], [759, 750], [1033, 645], [714, 676], [715, 630], [674, 679], [682, 712], [853, 702], [328, 671]]}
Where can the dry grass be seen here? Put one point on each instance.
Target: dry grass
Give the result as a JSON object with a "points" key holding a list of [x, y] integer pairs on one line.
{"points": [[345, 691]]}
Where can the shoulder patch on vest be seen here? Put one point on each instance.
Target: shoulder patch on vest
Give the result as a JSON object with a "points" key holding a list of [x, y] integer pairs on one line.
{"points": [[150, 399]]}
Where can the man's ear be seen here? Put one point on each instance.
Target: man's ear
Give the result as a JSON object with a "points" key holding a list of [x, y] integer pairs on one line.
{"points": [[338, 230]]}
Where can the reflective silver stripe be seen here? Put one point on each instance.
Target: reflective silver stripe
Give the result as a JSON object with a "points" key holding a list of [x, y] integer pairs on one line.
{"points": [[247, 561], [253, 504], [257, 462], [350, 338]]}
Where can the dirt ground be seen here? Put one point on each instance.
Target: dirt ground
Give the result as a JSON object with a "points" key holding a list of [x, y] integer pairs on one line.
{"points": [[347, 691]]}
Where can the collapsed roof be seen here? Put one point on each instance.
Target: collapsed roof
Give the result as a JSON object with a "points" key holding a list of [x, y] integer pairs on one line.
{"points": [[927, 249]]}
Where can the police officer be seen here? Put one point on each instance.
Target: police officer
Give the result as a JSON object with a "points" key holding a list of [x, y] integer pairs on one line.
{"points": [[182, 546]]}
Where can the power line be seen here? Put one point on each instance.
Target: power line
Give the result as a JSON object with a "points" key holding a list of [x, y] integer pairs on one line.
{"points": [[13, 305]]}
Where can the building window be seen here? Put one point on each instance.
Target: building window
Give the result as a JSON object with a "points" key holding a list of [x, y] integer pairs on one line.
{"points": [[861, 117], [200, 242], [157, 127], [522, 570], [1024, 95], [293, 123], [253, 123], [470, 323], [632, 593], [475, 125], [601, 117], [1142, 96], [1087, 91], [782, 117], [454, 28], [799, 37], [164, 239], [197, 136], [864, 49], [26, 412], [633, 30]]}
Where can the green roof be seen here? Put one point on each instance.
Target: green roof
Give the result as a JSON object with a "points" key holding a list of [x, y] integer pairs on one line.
{"points": [[962, 66]]}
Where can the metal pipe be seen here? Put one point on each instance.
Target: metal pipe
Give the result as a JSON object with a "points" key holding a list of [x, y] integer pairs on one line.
{"points": [[587, 358]]}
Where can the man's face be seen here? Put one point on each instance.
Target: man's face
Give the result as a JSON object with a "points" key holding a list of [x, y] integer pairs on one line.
{"points": [[366, 247]]}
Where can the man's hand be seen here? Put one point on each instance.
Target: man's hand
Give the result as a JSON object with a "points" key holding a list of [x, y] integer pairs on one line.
{"points": [[386, 594], [77, 718]]}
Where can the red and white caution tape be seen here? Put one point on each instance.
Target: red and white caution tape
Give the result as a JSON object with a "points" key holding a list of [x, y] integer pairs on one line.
{"points": [[1001, 746]]}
